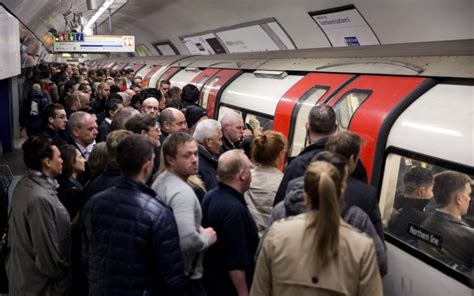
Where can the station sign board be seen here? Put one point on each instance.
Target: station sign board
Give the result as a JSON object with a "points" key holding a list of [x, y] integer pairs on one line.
{"points": [[345, 26], [78, 42]]}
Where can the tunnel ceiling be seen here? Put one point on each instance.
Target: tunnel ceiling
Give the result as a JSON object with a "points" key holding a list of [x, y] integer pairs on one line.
{"points": [[401, 21]]}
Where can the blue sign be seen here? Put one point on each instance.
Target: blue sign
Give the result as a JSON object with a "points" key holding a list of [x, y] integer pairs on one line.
{"points": [[352, 41]]}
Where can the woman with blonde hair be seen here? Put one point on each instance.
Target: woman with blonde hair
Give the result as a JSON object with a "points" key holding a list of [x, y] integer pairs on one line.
{"points": [[305, 254], [268, 150]]}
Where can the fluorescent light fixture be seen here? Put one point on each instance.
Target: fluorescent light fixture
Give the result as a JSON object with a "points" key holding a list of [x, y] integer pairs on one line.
{"points": [[98, 13]]}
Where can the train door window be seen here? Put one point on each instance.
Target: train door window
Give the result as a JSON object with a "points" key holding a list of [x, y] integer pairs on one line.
{"points": [[201, 81], [421, 208], [225, 109], [258, 123], [207, 90], [348, 105], [300, 118], [184, 77]]}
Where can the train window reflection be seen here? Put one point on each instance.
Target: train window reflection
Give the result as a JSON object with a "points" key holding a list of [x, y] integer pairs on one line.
{"points": [[207, 90], [348, 105], [428, 207], [300, 115]]}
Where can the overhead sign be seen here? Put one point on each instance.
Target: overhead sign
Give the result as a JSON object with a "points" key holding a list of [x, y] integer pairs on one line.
{"points": [[200, 45], [77, 42], [9, 45], [262, 35], [345, 26], [259, 37]]}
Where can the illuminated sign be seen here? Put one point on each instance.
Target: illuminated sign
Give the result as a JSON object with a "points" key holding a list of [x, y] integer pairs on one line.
{"points": [[77, 42]]}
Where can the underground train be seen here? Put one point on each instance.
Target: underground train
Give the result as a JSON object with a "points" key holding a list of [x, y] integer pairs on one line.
{"points": [[413, 104]]}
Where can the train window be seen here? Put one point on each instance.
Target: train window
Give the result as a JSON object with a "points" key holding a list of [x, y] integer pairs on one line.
{"points": [[258, 123], [225, 109], [199, 83], [348, 105], [428, 207], [300, 115], [207, 90]]}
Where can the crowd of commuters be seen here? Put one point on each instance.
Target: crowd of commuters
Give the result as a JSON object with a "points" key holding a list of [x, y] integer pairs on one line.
{"points": [[134, 191]]}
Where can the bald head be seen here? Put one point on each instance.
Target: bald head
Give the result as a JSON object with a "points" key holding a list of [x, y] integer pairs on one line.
{"points": [[233, 169], [103, 90], [172, 121], [84, 98], [151, 106], [232, 126]]}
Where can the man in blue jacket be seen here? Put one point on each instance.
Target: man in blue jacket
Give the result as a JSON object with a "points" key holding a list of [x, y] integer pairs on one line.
{"points": [[130, 239]]}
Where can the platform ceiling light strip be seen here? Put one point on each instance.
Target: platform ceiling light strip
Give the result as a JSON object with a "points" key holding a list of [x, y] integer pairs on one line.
{"points": [[98, 13], [99, 17]]}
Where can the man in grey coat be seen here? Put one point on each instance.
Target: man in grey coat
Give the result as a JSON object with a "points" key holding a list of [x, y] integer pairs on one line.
{"points": [[180, 152]]}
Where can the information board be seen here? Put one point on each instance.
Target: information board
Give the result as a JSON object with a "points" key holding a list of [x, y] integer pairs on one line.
{"points": [[77, 42], [9, 45], [345, 26]]}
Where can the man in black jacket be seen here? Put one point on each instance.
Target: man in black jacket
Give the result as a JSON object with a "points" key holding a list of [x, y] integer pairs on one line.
{"points": [[357, 193], [130, 239], [208, 134], [321, 124], [54, 120]]}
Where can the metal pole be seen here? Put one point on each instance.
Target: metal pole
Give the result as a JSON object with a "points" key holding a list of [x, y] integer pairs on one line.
{"points": [[110, 21]]}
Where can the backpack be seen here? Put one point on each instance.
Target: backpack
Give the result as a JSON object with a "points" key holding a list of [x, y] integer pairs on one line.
{"points": [[31, 111]]}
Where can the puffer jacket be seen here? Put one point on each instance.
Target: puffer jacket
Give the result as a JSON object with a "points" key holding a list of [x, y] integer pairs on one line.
{"points": [[131, 244]]}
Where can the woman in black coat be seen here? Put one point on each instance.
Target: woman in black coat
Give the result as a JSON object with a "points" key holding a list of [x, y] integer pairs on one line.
{"points": [[70, 190]]}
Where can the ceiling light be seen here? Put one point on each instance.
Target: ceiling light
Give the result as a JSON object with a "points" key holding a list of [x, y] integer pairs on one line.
{"points": [[98, 13]]}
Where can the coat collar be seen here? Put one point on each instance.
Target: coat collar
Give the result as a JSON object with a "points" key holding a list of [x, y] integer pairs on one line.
{"points": [[49, 184], [205, 153], [129, 183], [319, 144], [440, 215], [232, 192]]}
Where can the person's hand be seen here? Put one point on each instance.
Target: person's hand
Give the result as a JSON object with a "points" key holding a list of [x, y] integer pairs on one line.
{"points": [[209, 232]]}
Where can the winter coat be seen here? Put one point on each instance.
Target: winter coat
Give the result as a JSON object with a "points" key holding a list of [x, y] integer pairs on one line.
{"points": [[287, 264], [130, 243], [39, 239], [207, 168]]}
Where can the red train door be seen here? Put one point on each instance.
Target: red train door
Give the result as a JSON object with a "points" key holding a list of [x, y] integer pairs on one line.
{"points": [[167, 75], [136, 67], [212, 87], [291, 113], [146, 78], [203, 77], [364, 104]]}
